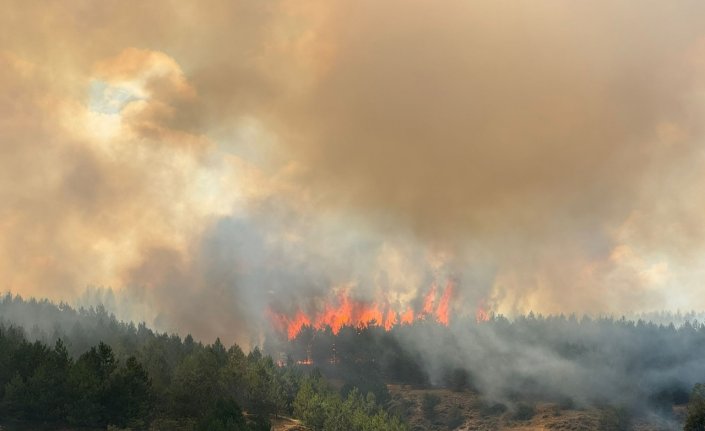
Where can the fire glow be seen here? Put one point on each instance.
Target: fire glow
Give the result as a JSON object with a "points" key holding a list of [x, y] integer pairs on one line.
{"points": [[481, 314], [345, 311]]}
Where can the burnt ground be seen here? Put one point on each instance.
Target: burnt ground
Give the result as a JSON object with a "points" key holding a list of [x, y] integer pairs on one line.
{"points": [[466, 410]]}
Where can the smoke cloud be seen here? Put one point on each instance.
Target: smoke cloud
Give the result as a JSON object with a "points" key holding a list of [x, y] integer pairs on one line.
{"points": [[209, 161]]}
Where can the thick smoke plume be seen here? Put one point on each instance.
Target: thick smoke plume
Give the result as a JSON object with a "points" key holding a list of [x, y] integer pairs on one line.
{"points": [[209, 162]]}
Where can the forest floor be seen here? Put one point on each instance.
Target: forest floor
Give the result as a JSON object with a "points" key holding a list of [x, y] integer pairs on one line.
{"points": [[466, 410], [287, 424]]}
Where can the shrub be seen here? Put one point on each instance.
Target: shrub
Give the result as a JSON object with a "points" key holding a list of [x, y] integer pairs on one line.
{"points": [[615, 419], [695, 421], [455, 418], [428, 405], [493, 409], [523, 412]]}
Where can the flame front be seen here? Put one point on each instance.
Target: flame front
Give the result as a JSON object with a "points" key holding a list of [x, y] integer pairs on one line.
{"points": [[482, 315], [442, 312], [408, 317], [345, 311], [429, 300]]}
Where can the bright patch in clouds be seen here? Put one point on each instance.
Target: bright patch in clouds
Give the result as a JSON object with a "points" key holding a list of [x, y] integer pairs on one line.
{"points": [[105, 98]]}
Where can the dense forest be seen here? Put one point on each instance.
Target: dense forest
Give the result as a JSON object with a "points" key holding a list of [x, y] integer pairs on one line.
{"points": [[641, 368], [100, 372], [85, 368], [576, 361]]}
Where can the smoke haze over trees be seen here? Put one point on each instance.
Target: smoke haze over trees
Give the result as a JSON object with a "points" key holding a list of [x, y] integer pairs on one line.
{"points": [[639, 366], [582, 361], [284, 173], [143, 379], [545, 156]]}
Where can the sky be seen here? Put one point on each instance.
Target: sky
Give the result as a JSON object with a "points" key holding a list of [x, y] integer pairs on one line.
{"points": [[196, 164]]}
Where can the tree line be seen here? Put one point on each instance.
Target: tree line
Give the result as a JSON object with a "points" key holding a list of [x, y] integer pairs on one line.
{"points": [[83, 367], [141, 379], [637, 365]]}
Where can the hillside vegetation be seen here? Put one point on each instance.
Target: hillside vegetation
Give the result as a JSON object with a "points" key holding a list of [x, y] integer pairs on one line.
{"points": [[69, 368], [141, 379]]}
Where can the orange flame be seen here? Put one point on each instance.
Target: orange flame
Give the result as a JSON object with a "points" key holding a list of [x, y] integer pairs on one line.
{"points": [[482, 315], [429, 300], [390, 320], [345, 311], [291, 326], [300, 320], [444, 303], [335, 317], [370, 315], [408, 317]]}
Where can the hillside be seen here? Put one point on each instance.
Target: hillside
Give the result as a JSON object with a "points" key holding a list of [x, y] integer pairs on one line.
{"points": [[134, 378], [467, 410], [373, 376]]}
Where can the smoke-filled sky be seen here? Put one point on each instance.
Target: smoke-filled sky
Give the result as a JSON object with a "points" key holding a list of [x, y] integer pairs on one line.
{"points": [[211, 160]]}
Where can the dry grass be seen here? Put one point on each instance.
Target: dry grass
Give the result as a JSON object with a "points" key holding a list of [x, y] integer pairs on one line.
{"points": [[465, 411], [287, 424]]}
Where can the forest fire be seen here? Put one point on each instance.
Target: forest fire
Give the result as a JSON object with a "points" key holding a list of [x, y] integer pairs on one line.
{"points": [[345, 311], [481, 314]]}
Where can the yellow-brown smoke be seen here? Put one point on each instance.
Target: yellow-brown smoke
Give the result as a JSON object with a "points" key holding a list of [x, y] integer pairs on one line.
{"points": [[547, 155]]}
